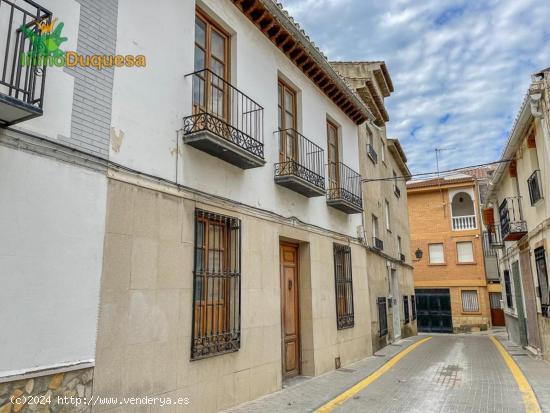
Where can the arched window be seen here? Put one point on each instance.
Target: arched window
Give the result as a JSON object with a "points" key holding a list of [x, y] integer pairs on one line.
{"points": [[462, 205]]}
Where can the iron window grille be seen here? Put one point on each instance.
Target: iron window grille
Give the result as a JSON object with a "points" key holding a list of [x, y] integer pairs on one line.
{"points": [[22, 83], [542, 274], [470, 301], [378, 243], [413, 307], [382, 316], [406, 308], [508, 289], [217, 285], [344, 286], [535, 189]]}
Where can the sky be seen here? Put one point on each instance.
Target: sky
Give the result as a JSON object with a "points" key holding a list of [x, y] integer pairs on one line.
{"points": [[460, 68]]}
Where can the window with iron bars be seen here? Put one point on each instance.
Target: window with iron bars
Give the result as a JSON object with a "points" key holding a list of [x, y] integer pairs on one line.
{"points": [[217, 285], [406, 308], [542, 275], [413, 307], [382, 316], [344, 286], [508, 289]]}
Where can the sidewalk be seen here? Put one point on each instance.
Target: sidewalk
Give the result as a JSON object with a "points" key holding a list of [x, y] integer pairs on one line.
{"points": [[305, 394]]}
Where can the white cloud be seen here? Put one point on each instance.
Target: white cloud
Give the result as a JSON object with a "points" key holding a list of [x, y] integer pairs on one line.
{"points": [[468, 63]]}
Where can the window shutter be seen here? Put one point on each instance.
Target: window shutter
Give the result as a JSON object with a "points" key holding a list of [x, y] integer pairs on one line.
{"points": [[465, 251], [436, 254]]}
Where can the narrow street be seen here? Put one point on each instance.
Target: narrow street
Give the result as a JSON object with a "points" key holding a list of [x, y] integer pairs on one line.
{"points": [[445, 373]]}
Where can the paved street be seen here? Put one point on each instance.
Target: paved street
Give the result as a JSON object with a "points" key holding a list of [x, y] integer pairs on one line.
{"points": [[447, 373]]}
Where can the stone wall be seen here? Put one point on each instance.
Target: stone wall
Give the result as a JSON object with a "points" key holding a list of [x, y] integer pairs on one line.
{"points": [[47, 393]]}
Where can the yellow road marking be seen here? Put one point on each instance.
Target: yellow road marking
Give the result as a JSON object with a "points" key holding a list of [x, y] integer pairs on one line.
{"points": [[529, 398], [352, 391]]}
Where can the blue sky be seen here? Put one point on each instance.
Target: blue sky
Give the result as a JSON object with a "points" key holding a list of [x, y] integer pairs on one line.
{"points": [[460, 68]]}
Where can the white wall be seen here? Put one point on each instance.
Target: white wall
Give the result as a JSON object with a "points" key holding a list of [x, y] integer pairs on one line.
{"points": [[149, 105], [52, 224]]}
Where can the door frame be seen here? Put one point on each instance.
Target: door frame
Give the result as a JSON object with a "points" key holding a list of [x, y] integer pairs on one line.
{"points": [[396, 302], [296, 246]]}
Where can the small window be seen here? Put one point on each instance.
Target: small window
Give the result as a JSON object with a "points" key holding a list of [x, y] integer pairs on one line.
{"points": [[437, 255], [375, 233], [508, 289], [542, 275], [382, 316], [399, 248], [217, 280], [406, 308], [388, 218], [344, 286], [470, 302], [413, 307], [465, 252]]}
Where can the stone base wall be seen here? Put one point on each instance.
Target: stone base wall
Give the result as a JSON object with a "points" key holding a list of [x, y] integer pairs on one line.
{"points": [[49, 393], [544, 328]]}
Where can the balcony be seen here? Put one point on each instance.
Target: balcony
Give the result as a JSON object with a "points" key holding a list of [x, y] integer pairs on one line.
{"points": [[397, 191], [512, 225], [492, 238], [402, 257], [378, 243], [21, 87], [464, 223], [225, 122], [372, 153], [301, 166], [344, 190], [535, 188]]}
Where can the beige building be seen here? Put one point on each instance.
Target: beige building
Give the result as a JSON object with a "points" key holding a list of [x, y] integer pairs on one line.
{"points": [[385, 219], [519, 214]]}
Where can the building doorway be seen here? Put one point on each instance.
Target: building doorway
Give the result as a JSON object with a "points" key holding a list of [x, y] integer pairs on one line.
{"points": [[396, 304], [497, 313], [433, 310], [290, 314]]}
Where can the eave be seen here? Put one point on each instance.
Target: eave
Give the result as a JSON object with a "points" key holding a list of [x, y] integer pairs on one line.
{"points": [[378, 100], [280, 28], [399, 155]]}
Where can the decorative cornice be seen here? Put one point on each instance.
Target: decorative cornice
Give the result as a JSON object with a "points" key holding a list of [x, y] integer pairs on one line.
{"points": [[277, 25]]}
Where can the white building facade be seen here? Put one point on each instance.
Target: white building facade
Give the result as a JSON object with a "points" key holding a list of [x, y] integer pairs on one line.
{"points": [[191, 227]]}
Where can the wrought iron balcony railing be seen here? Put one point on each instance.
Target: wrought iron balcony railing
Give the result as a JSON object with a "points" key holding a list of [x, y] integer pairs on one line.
{"points": [[21, 85], [512, 225], [372, 153], [378, 243], [301, 167], [535, 187], [396, 191], [463, 223], [225, 122], [344, 188], [492, 239]]}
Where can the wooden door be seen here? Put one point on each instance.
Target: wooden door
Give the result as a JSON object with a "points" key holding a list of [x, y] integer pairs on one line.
{"points": [[497, 313], [288, 140], [290, 310], [333, 156]]}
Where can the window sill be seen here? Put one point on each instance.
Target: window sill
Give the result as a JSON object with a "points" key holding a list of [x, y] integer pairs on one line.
{"points": [[438, 264], [471, 312], [467, 263]]}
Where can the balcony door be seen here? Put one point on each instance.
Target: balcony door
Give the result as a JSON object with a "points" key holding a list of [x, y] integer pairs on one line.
{"points": [[210, 89], [288, 141], [333, 156]]}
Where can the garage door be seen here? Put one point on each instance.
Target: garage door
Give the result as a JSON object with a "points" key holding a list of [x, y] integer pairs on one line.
{"points": [[433, 307]]}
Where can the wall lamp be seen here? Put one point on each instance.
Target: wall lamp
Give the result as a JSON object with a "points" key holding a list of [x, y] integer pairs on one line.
{"points": [[418, 254]]}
